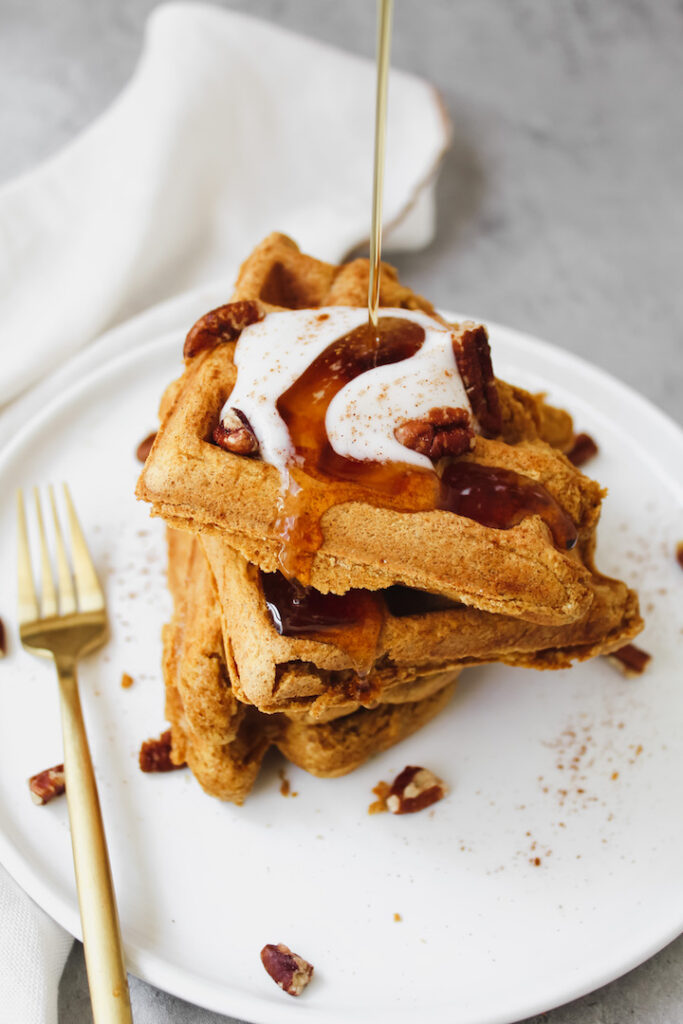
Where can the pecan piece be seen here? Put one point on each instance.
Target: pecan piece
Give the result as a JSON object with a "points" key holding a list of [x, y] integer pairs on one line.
{"points": [[145, 447], [155, 755], [221, 324], [381, 791], [441, 432], [679, 553], [3, 640], [288, 970], [413, 789], [473, 356], [46, 785], [583, 449], [630, 660], [234, 433]]}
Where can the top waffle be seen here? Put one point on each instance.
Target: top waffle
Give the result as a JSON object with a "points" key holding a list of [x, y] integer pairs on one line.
{"points": [[522, 571]]}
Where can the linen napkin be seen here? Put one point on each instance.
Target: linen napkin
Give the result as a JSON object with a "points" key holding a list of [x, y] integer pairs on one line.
{"points": [[229, 128]]}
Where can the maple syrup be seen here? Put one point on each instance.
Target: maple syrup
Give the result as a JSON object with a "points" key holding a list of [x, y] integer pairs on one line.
{"points": [[384, 18], [302, 611], [501, 498], [351, 621], [322, 478]]}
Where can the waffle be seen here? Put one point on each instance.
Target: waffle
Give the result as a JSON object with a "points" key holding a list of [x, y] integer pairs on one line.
{"points": [[439, 591], [224, 741], [197, 486], [339, 747], [275, 672]]}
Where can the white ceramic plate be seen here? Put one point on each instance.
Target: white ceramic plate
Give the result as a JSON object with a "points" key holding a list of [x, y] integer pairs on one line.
{"points": [[580, 770]]}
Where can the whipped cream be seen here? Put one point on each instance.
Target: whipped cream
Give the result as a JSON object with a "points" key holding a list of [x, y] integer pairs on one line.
{"points": [[361, 418]]}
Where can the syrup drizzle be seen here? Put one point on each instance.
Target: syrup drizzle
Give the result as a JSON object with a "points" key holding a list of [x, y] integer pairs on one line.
{"points": [[501, 498], [351, 621], [321, 478]]}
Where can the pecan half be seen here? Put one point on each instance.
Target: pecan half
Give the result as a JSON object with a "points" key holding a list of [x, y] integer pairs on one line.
{"points": [[234, 433], [583, 449], [441, 432], [413, 789], [46, 785], [630, 660], [155, 755], [473, 356], [145, 447], [221, 324], [288, 970]]}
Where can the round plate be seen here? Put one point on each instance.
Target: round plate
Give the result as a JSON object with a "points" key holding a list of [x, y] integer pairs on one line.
{"points": [[552, 867]]}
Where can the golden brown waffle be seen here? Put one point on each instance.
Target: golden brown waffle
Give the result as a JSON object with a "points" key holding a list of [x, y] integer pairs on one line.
{"points": [[222, 740], [197, 486], [337, 748], [276, 672]]}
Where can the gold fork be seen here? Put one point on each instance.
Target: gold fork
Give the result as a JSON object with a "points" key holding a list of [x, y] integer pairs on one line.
{"points": [[65, 630]]}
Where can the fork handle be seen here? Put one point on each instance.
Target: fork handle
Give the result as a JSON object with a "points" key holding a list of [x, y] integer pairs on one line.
{"points": [[107, 979]]}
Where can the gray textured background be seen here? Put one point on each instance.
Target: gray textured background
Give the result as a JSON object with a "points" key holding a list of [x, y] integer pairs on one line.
{"points": [[560, 213]]}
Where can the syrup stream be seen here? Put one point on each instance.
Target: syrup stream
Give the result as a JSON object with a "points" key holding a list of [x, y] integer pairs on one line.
{"points": [[384, 16]]}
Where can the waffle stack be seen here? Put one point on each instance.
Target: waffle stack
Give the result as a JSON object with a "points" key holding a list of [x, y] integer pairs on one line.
{"points": [[365, 646]]}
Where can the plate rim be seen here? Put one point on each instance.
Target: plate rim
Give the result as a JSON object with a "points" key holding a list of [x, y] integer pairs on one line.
{"points": [[153, 968]]}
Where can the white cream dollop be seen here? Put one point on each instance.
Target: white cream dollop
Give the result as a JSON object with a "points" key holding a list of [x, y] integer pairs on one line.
{"points": [[361, 418]]}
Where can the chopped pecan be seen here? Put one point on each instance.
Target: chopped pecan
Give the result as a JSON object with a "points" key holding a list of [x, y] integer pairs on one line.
{"points": [[679, 553], [473, 356], [3, 640], [381, 791], [441, 432], [413, 789], [45, 786], [583, 449], [145, 447], [288, 970], [630, 660], [234, 433], [155, 755], [222, 324]]}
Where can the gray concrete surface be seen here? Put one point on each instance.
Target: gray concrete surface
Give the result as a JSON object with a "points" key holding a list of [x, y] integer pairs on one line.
{"points": [[560, 212]]}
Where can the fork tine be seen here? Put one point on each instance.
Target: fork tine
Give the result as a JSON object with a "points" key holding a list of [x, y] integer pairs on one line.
{"points": [[67, 595], [90, 596], [28, 604], [49, 595]]}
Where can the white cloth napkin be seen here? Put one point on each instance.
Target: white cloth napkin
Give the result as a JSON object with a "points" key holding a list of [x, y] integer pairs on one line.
{"points": [[230, 128], [33, 949]]}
